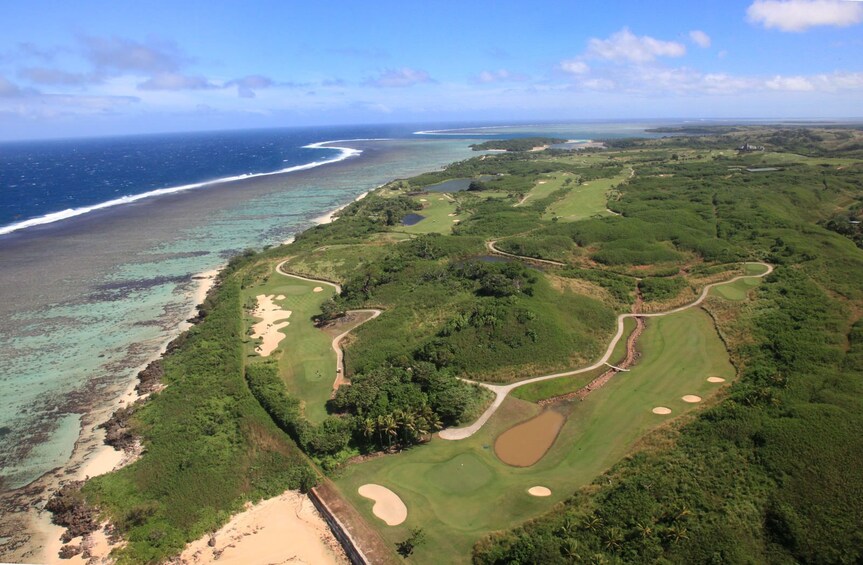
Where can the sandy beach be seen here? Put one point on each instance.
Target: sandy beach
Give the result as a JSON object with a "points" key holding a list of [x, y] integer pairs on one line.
{"points": [[283, 529]]}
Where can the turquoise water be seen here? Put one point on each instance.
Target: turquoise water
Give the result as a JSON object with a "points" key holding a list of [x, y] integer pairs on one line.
{"points": [[88, 301]]}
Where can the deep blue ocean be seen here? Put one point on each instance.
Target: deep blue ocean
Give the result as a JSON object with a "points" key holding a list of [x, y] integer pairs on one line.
{"points": [[46, 181]]}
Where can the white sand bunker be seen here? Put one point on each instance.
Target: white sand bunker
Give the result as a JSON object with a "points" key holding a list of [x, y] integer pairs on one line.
{"points": [[451, 215], [318, 289], [388, 506], [691, 398], [715, 380], [423, 200], [280, 297], [268, 328], [539, 491], [662, 410]]}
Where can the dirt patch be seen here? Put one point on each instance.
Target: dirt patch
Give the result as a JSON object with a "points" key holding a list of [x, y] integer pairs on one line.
{"points": [[388, 506], [715, 380], [539, 491], [691, 398], [661, 410], [526, 443]]}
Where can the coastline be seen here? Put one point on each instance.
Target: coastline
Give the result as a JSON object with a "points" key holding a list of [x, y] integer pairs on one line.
{"points": [[92, 457], [51, 217]]}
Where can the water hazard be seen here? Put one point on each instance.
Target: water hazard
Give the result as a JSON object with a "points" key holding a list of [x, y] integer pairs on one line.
{"points": [[525, 444]]}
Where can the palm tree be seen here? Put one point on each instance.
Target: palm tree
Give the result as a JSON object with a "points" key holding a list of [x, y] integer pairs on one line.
{"points": [[432, 418], [592, 523], [567, 528], [409, 427], [368, 428], [646, 530], [677, 533], [390, 428], [569, 549], [613, 539], [381, 426]]}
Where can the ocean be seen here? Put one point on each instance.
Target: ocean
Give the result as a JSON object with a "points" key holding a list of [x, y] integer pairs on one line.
{"points": [[100, 241]]}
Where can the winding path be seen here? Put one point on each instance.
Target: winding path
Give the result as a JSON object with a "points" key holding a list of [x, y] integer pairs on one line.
{"points": [[492, 249], [340, 354], [501, 391]]}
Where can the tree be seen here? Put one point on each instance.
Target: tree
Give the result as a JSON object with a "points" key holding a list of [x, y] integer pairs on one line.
{"points": [[406, 548]]}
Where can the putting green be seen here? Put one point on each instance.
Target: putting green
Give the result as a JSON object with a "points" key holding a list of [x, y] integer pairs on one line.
{"points": [[458, 491], [738, 290]]}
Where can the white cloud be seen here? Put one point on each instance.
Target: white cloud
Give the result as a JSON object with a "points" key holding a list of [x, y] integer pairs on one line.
{"points": [[501, 75], [119, 54], [574, 67], [624, 45], [176, 81], [798, 84], [399, 78], [699, 38], [799, 15]]}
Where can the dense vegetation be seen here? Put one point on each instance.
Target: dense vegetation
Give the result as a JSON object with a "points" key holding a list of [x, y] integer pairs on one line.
{"points": [[772, 474], [516, 144]]}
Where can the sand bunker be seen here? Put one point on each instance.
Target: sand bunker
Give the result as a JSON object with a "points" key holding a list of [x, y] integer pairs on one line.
{"points": [[715, 380], [539, 491], [388, 506], [526, 443], [268, 328], [318, 289], [423, 200], [280, 297], [691, 398], [662, 410], [451, 215]]}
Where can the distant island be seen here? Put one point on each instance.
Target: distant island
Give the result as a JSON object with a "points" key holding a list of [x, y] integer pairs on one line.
{"points": [[651, 353], [517, 144]]}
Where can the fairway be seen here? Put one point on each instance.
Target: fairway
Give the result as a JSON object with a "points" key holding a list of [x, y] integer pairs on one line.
{"points": [[459, 490], [307, 362], [440, 215], [584, 201]]}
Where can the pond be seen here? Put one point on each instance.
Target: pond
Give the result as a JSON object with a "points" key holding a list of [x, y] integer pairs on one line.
{"points": [[412, 219], [454, 185], [526, 443]]}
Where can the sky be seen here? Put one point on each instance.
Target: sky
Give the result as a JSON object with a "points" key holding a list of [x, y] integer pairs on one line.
{"points": [[108, 67]]}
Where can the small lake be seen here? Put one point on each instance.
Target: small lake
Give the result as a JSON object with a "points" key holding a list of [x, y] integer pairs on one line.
{"points": [[412, 219]]}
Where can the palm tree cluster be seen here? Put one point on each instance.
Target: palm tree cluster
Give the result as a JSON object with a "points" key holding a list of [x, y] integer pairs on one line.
{"points": [[401, 427]]}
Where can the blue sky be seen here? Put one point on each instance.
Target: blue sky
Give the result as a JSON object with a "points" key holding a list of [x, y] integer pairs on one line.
{"points": [[96, 67]]}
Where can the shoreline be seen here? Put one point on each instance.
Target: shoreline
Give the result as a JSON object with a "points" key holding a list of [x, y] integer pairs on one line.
{"points": [[60, 215], [92, 457]]}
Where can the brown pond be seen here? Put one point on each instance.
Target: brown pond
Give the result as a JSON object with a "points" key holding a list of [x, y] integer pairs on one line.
{"points": [[526, 443]]}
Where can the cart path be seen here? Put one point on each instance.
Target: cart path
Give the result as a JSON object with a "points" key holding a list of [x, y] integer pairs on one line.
{"points": [[492, 249], [340, 354], [501, 391]]}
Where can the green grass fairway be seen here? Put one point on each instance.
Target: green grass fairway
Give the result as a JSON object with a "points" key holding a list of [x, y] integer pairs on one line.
{"points": [[306, 358], [737, 290], [584, 201], [457, 491], [545, 186], [436, 209]]}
